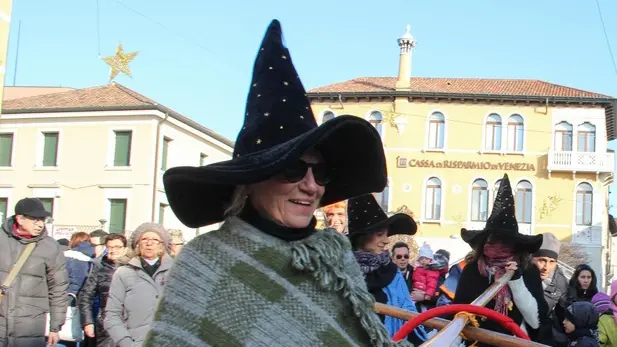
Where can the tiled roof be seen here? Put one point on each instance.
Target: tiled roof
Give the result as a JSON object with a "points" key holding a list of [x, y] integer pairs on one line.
{"points": [[468, 86], [111, 97]]}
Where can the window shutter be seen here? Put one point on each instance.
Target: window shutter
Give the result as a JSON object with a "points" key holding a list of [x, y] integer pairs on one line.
{"points": [[117, 218], [6, 150], [122, 153], [50, 149]]}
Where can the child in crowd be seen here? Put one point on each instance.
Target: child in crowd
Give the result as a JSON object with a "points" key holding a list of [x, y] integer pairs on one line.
{"points": [[428, 271], [581, 324], [607, 326]]}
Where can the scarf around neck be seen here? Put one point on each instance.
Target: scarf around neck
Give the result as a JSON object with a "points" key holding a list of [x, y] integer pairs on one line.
{"points": [[370, 262], [492, 264]]}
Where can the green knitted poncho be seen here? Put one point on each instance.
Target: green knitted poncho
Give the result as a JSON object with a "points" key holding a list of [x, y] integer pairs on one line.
{"points": [[238, 286]]}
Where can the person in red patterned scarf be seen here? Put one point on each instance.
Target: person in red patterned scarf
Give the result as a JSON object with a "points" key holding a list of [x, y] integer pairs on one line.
{"points": [[498, 249]]}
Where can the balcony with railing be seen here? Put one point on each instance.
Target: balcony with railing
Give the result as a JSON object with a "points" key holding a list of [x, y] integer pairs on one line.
{"points": [[573, 161]]}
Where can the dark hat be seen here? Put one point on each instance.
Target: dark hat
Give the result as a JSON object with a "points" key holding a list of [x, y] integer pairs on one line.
{"points": [[365, 216], [31, 207], [502, 224], [278, 128]]}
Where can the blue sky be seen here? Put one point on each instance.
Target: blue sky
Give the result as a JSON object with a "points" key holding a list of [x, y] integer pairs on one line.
{"points": [[196, 56]]}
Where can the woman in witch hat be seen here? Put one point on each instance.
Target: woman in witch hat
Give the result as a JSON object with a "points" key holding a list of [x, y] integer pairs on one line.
{"points": [[267, 277], [498, 249], [369, 228]]}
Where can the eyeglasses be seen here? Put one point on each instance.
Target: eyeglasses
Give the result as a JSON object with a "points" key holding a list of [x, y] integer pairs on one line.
{"points": [[36, 219], [400, 256], [296, 172], [154, 241]]}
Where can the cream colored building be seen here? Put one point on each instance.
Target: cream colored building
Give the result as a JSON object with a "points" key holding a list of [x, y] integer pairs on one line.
{"points": [[97, 155]]}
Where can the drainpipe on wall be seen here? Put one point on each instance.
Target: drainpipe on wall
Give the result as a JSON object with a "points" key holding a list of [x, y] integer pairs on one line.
{"points": [[156, 163]]}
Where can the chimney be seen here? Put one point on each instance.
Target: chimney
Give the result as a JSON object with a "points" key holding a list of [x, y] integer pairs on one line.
{"points": [[406, 43]]}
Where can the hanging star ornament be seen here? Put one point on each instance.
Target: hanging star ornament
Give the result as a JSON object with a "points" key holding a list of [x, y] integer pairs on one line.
{"points": [[119, 62]]}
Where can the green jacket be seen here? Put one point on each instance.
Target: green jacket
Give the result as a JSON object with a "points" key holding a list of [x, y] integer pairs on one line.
{"points": [[607, 330]]}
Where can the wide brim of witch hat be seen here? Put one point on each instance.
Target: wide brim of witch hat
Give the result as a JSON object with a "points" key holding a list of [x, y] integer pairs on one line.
{"points": [[365, 216], [397, 224], [521, 242], [350, 146], [279, 127]]}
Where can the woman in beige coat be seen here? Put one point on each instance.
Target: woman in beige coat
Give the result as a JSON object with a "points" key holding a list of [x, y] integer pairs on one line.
{"points": [[137, 286]]}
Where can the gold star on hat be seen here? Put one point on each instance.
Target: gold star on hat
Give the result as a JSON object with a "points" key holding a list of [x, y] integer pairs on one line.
{"points": [[119, 62]]}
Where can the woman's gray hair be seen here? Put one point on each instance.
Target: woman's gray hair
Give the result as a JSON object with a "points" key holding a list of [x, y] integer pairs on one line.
{"points": [[238, 200]]}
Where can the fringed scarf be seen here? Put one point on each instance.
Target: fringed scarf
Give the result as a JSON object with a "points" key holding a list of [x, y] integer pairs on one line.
{"points": [[370, 262], [493, 265]]}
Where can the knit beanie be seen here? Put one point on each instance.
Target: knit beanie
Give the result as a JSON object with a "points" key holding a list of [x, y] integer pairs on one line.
{"points": [[443, 252], [425, 251], [152, 227], [602, 302]]}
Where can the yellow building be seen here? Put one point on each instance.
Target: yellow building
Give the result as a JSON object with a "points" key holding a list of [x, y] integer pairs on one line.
{"points": [[448, 141]]}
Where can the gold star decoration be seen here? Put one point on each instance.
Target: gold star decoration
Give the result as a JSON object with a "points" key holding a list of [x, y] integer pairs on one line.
{"points": [[119, 62]]}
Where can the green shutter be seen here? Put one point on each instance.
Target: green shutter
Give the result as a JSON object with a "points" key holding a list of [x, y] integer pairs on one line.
{"points": [[162, 208], [48, 204], [122, 154], [4, 203], [6, 150], [117, 215], [164, 153], [50, 149]]}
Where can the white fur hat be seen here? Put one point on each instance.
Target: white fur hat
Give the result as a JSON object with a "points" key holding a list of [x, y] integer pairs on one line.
{"points": [[550, 247]]}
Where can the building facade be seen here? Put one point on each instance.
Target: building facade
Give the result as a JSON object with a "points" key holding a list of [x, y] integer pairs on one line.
{"points": [[448, 142], [96, 156]]}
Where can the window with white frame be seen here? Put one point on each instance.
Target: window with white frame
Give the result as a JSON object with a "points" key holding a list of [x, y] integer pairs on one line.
{"points": [[496, 189], [479, 200], [523, 202], [328, 115], [492, 134], [6, 149], [584, 204], [586, 137], [376, 119], [436, 130], [432, 199], [515, 133], [563, 136]]}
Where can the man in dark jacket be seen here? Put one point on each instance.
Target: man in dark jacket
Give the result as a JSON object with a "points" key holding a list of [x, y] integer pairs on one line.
{"points": [[555, 289], [39, 288]]}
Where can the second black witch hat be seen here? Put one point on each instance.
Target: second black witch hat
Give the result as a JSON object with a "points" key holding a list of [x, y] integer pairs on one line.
{"points": [[502, 223]]}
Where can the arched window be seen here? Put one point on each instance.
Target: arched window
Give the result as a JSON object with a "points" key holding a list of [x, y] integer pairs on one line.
{"points": [[586, 137], [584, 204], [436, 130], [376, 119], [328, 115], [492, 140], [516, 131], [479, 200], [432, 199], [496, 189], [523, 203], [563, 136], [382, 198]]}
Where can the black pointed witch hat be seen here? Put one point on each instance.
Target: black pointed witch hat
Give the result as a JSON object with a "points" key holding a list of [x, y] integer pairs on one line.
{"points": [[502, 224], [278, 128], [365, 216]]}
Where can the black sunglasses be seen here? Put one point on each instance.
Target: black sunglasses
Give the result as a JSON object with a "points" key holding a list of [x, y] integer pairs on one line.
{"points": [[296, 172], [398, 256]]}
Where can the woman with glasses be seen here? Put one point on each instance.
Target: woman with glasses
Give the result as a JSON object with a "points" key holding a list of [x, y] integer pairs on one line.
{"points": [[136, 287], [268, 277], [97, 286]]}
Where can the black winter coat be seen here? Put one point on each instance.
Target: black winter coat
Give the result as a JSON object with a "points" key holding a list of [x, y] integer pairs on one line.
{"points": [[97, 285], [472, 284], [39, 288]]}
